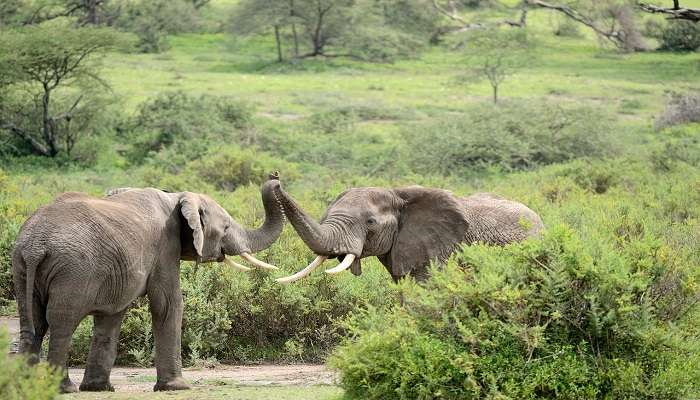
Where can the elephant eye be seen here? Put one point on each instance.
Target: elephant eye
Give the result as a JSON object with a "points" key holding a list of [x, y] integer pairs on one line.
{"points": [[371, 221]]}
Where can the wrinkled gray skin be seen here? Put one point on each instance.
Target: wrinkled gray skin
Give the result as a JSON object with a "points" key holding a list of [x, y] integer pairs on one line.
{"points": [[83, 255], [408, 227]]}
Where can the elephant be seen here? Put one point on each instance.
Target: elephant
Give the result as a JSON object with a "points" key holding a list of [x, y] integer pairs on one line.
{"points": [[84, 255], [405, 228]]}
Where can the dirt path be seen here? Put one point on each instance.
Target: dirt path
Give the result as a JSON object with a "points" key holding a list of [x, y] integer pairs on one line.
{"points": [[143, 379], [12, 326]]}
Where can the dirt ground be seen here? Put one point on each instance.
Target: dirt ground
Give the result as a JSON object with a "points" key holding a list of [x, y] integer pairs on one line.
{"points": [[127, 379]]}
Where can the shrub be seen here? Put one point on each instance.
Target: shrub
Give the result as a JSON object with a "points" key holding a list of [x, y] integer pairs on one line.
{"points": [[153, 20], [186, 125], [567, 28], [551, 318], [511, 137], [681, 109], [18, 381], [230, 167], [680, 36]]}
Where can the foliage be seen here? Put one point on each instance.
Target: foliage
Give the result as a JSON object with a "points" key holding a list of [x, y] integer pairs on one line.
{"points": [[44, 60], [514, 136], [556, 318], [18, 381], [494, 54], [153, 20], [680, 36], [180, 127], [374, 31]]}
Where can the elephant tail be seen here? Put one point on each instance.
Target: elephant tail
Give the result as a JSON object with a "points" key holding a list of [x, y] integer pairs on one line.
{"points": [[26, 313]]}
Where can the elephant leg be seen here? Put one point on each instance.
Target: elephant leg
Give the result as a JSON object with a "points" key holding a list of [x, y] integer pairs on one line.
{"points": [[103, 352], [61, 327], [40, 329], [166, 308]]}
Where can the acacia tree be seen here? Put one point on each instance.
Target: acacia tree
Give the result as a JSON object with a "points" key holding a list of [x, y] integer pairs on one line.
{"points": [[46, 58], [493, 55]]}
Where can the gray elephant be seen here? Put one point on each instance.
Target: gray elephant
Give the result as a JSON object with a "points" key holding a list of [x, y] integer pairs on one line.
{"points": [[83, 255], [406, 227]]}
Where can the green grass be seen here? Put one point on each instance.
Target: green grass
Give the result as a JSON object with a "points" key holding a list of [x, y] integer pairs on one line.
{"points": [[225, 392]]}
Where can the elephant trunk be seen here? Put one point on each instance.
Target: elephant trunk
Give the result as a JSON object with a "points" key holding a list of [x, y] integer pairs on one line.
{"points": [[263, 237], [315, 235]]}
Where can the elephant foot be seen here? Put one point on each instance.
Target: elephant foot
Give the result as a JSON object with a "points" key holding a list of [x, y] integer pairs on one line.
{"points": [[67, 386], [96, 387], [174, 384]]}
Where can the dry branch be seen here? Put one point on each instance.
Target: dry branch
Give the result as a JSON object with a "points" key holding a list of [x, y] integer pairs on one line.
{"points": [[675, 12]]}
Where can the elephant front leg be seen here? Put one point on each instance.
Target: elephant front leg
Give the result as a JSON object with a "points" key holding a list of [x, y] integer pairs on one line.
{"points": [[166, 308], [103, 352]]}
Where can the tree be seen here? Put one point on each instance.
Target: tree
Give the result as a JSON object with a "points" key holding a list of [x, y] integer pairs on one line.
{"points": [[45, 59], [375, 30], [494, 54]]}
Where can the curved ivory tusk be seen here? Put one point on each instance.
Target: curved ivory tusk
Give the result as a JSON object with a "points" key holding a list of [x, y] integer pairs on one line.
{"points": [[257, 262], [347, 262], [304, 272], [235, 265]]}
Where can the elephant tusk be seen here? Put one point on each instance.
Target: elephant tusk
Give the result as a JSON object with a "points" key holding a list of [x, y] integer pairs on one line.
{"points": [[235, 265], [347, 262], [304, 272], [257, 262]]}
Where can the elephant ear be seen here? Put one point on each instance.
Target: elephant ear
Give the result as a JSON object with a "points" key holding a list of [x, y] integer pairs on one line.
{"points": [[191, 209], [432, 223]]}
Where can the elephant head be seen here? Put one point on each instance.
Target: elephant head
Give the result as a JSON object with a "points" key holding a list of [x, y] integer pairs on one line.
{"points": [[213, 234], [405, 228], [210, 234]]}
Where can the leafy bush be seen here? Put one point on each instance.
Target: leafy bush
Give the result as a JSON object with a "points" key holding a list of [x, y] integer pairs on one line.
{"points": [[18, 381], [153, 20], [680, 36], [551, 318], [185, 126], [567, 28], [681, 109], [230, 167], [511, 137]]}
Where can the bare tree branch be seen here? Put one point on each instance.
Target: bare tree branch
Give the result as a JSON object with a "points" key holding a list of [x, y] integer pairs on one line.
{"points": [[675, 12]]}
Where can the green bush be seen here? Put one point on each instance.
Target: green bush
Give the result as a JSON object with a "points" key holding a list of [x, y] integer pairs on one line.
{"points": [[18, 381], [551, 318], [680, 36], [151, 21], [181, 126], [515, 136]]}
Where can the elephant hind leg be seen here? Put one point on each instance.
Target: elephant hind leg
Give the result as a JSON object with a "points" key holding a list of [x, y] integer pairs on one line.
{"points": [[103, 352], [61, 327]]}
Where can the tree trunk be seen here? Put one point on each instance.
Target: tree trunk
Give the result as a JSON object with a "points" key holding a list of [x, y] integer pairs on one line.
{"points": [[91, 11], [495, 94], [296, 40], [47, 128], [279, 44]]}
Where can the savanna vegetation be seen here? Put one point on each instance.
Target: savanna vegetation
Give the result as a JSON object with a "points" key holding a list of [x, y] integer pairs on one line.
{"points": [[588, 112]]}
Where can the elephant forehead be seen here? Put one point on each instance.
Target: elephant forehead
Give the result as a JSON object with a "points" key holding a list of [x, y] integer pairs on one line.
{"points": [[367, 197]]}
